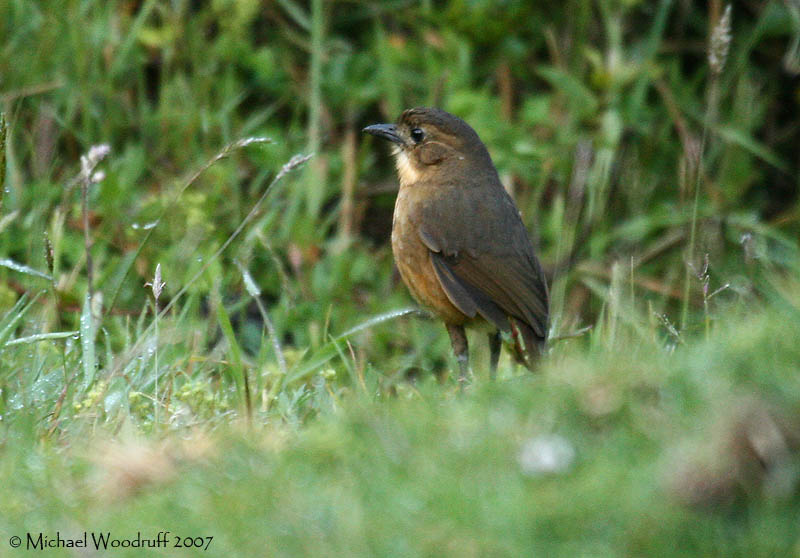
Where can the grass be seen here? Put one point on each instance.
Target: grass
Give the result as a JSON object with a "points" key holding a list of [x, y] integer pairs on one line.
{"points": [[201, 330], [652, 435]]}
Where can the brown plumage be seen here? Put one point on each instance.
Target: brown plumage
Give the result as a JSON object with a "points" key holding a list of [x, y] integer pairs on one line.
{"points": [[458, 238]]}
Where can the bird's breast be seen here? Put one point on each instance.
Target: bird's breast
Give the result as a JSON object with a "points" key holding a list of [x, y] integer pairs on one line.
{"points": [[413, 258]]}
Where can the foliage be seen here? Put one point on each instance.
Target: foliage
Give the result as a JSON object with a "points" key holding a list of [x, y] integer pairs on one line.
{"points": [[660, 190]]}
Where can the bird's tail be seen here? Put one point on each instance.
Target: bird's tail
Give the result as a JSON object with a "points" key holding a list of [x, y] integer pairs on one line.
{"points": [[527, 346]]}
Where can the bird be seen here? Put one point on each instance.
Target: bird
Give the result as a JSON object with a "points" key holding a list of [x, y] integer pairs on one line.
{"points": [[458, 239]]}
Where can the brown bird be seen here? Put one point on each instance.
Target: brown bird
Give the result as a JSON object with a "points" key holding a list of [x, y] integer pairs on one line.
{"points": [[458, 239]]}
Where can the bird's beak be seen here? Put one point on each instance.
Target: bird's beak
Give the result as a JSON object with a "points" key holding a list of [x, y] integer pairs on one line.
{"points": [[386, 131]]}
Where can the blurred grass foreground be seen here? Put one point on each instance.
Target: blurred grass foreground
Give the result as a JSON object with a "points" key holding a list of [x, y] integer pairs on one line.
{"points": [[202, 332]]}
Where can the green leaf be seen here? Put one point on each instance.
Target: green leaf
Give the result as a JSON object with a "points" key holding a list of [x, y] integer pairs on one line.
{"points": [[297, 13], [746, 142], [580, 97]]}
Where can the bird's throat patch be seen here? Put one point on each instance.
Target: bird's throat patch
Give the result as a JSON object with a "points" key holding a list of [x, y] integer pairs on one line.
{"points": [[406, 170]]}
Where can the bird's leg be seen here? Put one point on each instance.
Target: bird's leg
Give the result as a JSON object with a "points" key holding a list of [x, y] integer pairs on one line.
{"points": [[494, 353], [458, 338]]}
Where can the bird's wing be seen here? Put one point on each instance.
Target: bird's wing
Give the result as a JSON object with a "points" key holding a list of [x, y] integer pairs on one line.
{"points": [[485, 262]]}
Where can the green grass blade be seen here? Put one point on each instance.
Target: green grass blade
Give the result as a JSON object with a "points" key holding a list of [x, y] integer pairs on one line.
{"points": [[88, 331], [12, 318], [748, 143], [11, 264], [42, 337], [236, 369], [3, 129], [328, 351]]}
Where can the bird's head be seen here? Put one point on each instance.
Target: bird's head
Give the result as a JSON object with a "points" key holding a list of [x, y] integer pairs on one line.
{"points": [[428, 141]]}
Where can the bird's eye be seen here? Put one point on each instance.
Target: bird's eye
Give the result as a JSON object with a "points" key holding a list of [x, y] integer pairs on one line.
{"points": [[417, 134]]}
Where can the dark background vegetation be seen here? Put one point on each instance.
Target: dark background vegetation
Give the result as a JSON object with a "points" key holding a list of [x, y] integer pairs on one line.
{"points": [[661, 191]]}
